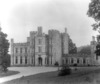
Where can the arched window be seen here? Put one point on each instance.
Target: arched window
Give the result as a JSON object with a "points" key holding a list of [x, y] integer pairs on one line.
{"points": [[21, 60]]}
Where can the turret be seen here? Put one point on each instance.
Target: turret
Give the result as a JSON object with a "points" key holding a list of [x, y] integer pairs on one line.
{"points": [[12, 51], [39, 30], [12, 41]]}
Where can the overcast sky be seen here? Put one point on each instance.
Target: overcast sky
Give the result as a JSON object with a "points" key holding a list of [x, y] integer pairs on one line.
{"points": [[19, 17]]}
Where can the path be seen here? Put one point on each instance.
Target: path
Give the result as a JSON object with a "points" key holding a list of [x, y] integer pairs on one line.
{"points": [[26, 71]]}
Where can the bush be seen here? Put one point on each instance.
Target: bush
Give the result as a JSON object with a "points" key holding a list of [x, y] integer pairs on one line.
{"points": [[65, 70], [4, 66], [75, 65], [56, 64]]}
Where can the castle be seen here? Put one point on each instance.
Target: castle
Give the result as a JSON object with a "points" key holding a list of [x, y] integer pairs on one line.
{"points": [[47, 49], [40, 49]]}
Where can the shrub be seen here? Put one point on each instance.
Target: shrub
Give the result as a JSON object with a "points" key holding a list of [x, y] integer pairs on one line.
{"points": [[75, 65], [4, 66], [56, 64], [65, 70]]}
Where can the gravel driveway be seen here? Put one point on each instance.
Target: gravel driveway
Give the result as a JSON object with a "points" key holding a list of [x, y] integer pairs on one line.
{"points": [[26, 71]]}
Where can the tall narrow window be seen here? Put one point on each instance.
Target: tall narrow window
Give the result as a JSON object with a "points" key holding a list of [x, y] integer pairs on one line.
{"points": [[16, 59], [40, 49], [40, 41], [20, 50], [84, 61], [66, 61], [25, 60], [21, 60], [32, 60], [16, 50], [25, 50], [77, 60], [72, 60], [45, 60]]}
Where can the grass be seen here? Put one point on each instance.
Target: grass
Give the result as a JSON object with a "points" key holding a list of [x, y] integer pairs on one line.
{"points": [[8, 73], [80, 76]]}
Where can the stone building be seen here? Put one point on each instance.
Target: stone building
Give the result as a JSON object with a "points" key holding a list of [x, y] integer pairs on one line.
{"points": [[40, 48], [82, 59], [48, 49]]}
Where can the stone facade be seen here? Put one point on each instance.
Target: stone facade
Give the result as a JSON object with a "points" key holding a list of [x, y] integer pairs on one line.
{"points": [[40, 48], [82, 59], [78, 60], [94, 43], [47, 49]]}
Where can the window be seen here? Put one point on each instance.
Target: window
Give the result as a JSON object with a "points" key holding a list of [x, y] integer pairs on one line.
{"points": [[77, 60], [45, 60], [16, 60], [83, 61], [66, 61], [72, 60], [16, 50], [21, 60], [20, 50], [40, 41], [25, 50], [32, 60], [25, 60], [40, 49]]}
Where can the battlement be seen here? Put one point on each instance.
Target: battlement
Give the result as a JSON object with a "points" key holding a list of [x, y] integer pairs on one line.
{"points": [[77, 55], [53, 30], [33, 33], [20, 44]]}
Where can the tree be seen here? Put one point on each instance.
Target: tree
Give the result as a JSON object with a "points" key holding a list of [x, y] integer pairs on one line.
{"points": [[97, 50], [85, 50], [72, 47], [94, 12], [4, 45]]}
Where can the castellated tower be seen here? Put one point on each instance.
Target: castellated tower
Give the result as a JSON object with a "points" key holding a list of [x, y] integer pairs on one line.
{"points": [[40, 49], [65, 42], [93, 48], [55, 47], [12, 52]]}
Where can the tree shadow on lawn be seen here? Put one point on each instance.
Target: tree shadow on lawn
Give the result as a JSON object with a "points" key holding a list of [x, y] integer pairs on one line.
{"points": [[77, 77], [52, 78], [8, 73]]}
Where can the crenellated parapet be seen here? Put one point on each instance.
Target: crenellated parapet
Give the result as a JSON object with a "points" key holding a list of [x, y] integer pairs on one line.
{"points": [[33, 34], [20, 44]]}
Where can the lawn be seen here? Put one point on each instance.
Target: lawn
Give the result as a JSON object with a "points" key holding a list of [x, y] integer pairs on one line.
{"points": [[8, 73], [80, 76]]}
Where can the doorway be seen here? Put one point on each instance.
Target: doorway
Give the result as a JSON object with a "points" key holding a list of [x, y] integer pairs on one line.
{"points": [[40, 61]]}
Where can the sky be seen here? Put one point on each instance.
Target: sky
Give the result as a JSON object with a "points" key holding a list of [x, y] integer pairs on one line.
{"points": [[19, 17]]}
